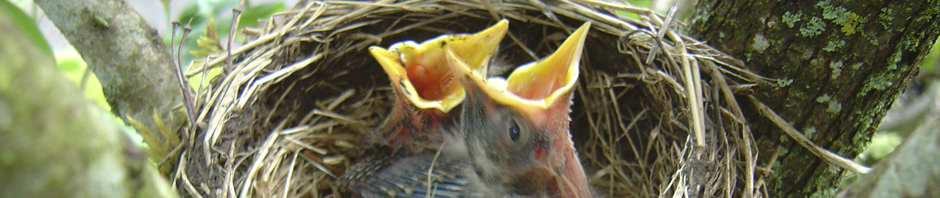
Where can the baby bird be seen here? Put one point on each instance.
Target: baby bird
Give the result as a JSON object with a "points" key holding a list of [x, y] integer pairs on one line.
{"points": [[516, 130], [406, 164], [423, 83]]}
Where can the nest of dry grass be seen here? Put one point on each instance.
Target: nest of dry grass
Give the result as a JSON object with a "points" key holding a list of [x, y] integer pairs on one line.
{"points": [[655, 111]]}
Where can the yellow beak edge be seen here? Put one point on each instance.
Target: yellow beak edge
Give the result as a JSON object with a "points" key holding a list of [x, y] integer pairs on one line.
{"points": [[420, 73], [533, 87]]}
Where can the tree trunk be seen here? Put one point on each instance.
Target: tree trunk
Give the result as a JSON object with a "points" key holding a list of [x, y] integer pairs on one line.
{"points": [[841, 64]]}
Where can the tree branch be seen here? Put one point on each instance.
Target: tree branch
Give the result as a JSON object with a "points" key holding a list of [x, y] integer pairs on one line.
{"points": [[53, 142], [128, 57]]}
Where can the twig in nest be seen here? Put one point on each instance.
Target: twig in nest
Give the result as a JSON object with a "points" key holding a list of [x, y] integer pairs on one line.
{"points": [[183, 176], [236, 17], [318, 163], [290, 174], [188, 98], [258, 161], [433, 186], [826, 155]]}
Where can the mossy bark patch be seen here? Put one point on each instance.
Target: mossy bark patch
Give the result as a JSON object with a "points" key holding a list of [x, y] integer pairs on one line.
{"points": [[858, 54]]}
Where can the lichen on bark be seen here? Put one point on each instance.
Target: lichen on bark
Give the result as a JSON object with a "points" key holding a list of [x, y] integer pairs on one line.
{"points": [[878, 56]]}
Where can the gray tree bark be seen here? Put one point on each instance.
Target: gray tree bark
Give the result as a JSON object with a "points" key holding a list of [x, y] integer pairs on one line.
{"points": [[841, 65], [129, 58], [56, 143]]}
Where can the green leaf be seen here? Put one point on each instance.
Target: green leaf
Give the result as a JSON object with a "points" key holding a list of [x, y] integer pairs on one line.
{"points": [[26, 26], [166, 8], [215, 7], [932, 60], [251, 15], [190, 13], [208, 43], [202, 11]]}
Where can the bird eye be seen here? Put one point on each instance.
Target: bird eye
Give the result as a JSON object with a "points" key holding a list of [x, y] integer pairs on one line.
{"points": [[514, 130]]}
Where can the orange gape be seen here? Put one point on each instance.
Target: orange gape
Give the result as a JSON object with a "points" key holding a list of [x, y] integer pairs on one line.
{"points": [[423, 85], [510, 138], [516, 129], [431, 81], [415, 128]]}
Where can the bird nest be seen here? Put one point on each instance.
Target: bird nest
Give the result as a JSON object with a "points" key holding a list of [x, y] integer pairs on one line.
{"points": [[654, 110]]}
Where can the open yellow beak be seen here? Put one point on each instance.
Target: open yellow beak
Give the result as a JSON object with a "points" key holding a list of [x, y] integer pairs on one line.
{"points": [[535, 87], [542, 92], [419, 71]]}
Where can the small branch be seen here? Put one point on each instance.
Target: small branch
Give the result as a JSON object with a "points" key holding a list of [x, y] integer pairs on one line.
{"points": [[826, 155], [129, 58], [236, 17], [188, 98], [54, 142]]}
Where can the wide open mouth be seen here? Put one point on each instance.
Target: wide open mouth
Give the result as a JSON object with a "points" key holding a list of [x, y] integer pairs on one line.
{"points": [[540, 91], [420, 71], [534, 87]]}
